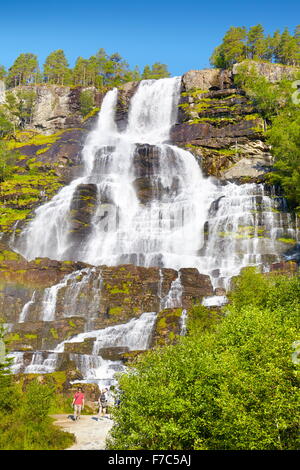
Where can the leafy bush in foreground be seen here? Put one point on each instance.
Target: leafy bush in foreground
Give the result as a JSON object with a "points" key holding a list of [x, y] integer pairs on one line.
{"points": [[233, 385]]}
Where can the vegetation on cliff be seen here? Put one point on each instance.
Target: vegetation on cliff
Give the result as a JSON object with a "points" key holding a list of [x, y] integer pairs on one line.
{"points": [[278, 103], [231, 384]]}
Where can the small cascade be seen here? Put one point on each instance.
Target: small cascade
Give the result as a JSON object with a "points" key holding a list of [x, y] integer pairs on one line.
{"points": [[41, 363], [97, 370], [246, 224], [131, 336], [74, 283], [215, 301], [134, 335], [174, 297], [50, 298], [183, 321], [75, 304], [26, 309]]}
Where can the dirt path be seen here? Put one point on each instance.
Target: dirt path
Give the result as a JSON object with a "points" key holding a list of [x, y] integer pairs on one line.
{"points": [[90, 434]]}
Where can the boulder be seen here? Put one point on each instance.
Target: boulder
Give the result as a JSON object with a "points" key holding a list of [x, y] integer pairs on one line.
{"points": [[207, 79], [248, 168]]}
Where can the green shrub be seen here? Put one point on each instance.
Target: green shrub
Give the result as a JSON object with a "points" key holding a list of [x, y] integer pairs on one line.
{"points": [[230, 385]]}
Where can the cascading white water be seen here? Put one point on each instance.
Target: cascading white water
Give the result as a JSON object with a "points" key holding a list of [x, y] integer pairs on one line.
{"points": [[39, 364], [50, 297], [173, 299], [132, 336], [183, 322], [25, 310]]}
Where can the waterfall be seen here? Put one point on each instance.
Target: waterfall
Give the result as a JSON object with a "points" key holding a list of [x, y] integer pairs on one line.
{"points": [[41, 363], [167, 230], [134, 335], [245, 225], [50, 296], [25, 310], [97, 370], [174, 297], [183, 321]]}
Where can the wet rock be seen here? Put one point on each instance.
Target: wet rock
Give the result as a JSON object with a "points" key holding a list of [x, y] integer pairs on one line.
{"points": [[82, 209], [195, 286], [125, 94], [167, 327], [285, 267]]}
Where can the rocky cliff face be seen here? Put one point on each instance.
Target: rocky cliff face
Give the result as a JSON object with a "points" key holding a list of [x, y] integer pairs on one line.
{"points": [[56, 107], [217, 123]]}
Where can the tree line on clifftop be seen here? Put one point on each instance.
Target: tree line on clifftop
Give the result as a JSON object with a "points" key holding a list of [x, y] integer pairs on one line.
{"points": [[239, 44], [100, 70]]}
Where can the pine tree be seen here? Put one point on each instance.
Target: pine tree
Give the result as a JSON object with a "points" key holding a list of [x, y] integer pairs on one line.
{"points": [[256, 44], [160, 70], [287, 50], [24, 70], [232, 50], [56, 68], [297, 38], [157, 71], [146, 72]]}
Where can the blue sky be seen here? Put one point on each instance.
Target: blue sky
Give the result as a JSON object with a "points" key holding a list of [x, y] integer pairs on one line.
{"points": [[181, 33]]}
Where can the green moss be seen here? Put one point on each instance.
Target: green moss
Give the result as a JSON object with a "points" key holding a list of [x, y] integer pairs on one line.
{"points": [[13, 337], [115, 310], [91, 113], [30, 336], [43, 150], [251, 117], [36, 139], [287, 240], [22, 192], [54, 333], [212, 120], [6, 255], [194, 92]]}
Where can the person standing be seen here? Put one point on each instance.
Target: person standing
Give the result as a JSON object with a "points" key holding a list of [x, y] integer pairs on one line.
{"points": [[103, 402], [78, 403]]}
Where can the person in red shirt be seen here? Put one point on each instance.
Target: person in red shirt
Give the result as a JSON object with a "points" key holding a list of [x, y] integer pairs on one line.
{"points": [[78, 403]]}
